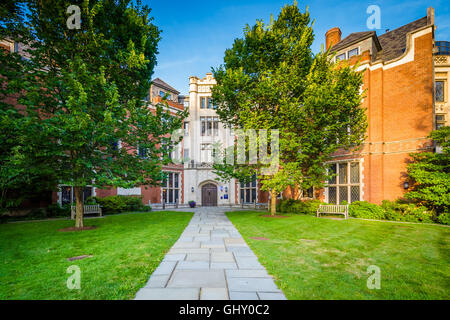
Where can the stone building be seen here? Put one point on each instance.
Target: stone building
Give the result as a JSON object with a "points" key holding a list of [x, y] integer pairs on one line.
{"points": [[205, 135], [442, 84]]}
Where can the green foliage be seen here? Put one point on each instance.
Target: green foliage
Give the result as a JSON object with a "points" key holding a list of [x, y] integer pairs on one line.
{"points": [[396, 211], [55, 210], [271, 79], [299, 206], [429, 174], [117, 204], [366, 210], [444, 218], [82, 92], [52, 211]]}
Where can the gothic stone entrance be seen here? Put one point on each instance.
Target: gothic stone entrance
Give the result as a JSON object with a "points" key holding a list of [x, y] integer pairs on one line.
{"points": [[209, 195]]}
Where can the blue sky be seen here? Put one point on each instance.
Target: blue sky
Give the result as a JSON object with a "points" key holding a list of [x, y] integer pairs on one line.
{"points": [[197, 32]]}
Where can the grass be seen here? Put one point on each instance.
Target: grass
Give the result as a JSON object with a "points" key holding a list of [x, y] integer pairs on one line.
{"points": [[319, 258], [125, 249]]}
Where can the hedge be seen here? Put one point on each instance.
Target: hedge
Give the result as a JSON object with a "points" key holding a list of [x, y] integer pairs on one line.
{"points": [[117, 204], [388, 210]]}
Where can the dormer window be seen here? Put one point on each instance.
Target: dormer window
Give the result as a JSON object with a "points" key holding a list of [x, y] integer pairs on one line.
{"points": [[340, 57], [353, 52]]}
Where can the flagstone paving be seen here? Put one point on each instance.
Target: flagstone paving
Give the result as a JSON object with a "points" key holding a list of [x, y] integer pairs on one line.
{"points": [[210, 261]]}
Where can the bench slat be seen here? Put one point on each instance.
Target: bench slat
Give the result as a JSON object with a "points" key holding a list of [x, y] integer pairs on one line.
{"points": [[87, 209], [333, 209]]}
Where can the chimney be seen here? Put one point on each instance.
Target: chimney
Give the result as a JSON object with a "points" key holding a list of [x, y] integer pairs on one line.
{"points": [[430, 16], [332, 37]]}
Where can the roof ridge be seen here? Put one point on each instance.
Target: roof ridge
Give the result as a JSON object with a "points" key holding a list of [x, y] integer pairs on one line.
{"points": [[403, 26], [165, 84]]}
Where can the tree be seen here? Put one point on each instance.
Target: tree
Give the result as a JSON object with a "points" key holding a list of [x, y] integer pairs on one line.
{"points": [[83, 93], [24, 172], [271, 80], [429, 174]]}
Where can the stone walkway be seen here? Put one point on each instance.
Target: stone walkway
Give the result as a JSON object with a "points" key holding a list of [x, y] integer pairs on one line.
{"points": [[210, 261]]}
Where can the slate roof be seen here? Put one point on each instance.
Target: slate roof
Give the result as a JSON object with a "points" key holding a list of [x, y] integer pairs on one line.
{"points": [[392, 43], [158, 82], [353, 38]]}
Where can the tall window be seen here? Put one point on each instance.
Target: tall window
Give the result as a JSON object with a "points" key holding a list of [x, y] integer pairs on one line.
{"points": [[171, 187], [206, 152], [248, 191], [209, 103], [186, 128], [202, 102], [340, 57], [209, 126], [440, 91], [308, 193], [353, 52], [68, 196], [345, 186]]}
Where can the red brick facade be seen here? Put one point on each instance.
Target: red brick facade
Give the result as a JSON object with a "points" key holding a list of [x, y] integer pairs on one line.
{"points": [[399, 104]]}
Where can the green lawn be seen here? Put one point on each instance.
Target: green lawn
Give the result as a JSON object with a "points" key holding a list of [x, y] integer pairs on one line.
{"points": [[319, 258], [125, 248]]}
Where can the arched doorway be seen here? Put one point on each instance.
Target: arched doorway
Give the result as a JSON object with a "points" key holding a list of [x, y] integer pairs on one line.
{"points": [[209, 195]]}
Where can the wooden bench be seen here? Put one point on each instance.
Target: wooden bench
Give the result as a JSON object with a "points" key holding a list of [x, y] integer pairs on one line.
{"points": [[87, 209], [333, 209]]}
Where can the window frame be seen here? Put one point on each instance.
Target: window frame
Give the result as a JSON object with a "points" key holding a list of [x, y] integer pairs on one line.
{"points": [[348, 184], [72, 195], [342, 54], [250, 188], [171, 187], [443, 90], [202, 102], [357, 52]]}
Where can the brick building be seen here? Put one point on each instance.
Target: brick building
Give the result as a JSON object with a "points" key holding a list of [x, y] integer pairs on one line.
{"points": [[399, 77]]}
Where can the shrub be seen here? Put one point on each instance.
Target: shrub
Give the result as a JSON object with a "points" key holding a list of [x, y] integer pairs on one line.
{"points": [[38, 213], [299, 206], [55, 210], [117, 204], [366, 210], [444, 218], [429, 174], [398, 211]]}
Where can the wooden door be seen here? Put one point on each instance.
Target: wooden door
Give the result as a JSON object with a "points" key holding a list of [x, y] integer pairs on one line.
{"points": [[209, 195]]}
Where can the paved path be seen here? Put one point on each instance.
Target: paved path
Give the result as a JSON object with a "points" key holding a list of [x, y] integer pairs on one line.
{"points": [[210, 261]]}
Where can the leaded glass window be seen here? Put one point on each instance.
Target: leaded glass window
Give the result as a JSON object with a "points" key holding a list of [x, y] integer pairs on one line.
{"points": [[440, 91], [345, 186], [248, 191], [171, 187]]}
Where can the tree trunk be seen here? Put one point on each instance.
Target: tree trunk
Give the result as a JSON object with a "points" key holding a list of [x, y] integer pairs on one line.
{"points": [[273, 202], [78, 192]]}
